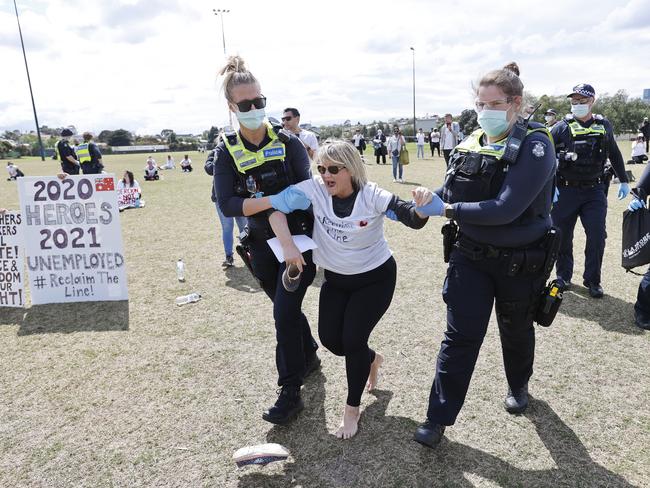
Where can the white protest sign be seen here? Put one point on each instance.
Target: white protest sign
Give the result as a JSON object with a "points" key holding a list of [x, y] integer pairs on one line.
{"points": [[129, 197], [12, 281], [73, 239]]}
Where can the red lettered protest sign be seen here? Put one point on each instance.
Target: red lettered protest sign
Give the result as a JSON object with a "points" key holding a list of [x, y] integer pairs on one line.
{"points": [[73, 239], [12, 283]]}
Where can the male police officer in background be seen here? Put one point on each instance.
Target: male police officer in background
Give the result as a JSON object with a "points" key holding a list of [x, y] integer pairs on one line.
{"points": [[67, 156], [583, 142], [550, 117], [89, 156]]}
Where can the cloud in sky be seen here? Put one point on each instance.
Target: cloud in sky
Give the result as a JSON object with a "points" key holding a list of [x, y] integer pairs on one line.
{"points": [[146, 65]]}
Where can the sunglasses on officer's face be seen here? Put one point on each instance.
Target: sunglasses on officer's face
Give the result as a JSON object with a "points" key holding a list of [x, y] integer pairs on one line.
{"points": [[287, 118], [334, 170], [246, 105]]}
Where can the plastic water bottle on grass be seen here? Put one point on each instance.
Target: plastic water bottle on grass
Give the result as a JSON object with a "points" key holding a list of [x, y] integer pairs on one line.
{"points": [[180, 270], [185, 299]]}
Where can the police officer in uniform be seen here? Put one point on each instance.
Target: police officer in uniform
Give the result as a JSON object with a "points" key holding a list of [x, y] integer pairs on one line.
{"points": [[89, 156], [583, 142], [550, 117], [498, 190], [260, 161], [69, 162]]}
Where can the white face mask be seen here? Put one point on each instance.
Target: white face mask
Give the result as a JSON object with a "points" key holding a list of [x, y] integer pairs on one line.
{"points": [[252, 119], [548, 118], [580, 110], [493, 122]]}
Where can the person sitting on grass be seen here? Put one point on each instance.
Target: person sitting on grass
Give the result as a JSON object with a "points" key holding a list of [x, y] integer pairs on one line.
{"points": [[14, 171], [638, 151], [128, 181], [129, 193], [151, 170], [186, 164], [169, 164], [360, 272]]}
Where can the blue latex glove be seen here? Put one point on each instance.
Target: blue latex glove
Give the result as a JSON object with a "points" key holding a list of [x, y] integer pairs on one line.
{"points": [[290, 199], [435, 207], [623, 191], [635, 205], [391, 215], [556, 195]]}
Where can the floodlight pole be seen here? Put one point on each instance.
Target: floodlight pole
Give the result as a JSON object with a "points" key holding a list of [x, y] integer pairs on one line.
{"points": [[414, 128], [219, 12], [29, 81]]}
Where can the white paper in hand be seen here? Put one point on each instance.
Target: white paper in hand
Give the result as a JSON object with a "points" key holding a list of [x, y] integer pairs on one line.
{"points": [[302, 242]]}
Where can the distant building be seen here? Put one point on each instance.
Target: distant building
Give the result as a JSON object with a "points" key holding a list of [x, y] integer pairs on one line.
{"points": [[426, 124], [646, 95]]}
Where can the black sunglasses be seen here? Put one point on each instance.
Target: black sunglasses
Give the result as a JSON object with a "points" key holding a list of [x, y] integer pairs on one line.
{"points": [[334, 170], [246, 105], [287, 119]]}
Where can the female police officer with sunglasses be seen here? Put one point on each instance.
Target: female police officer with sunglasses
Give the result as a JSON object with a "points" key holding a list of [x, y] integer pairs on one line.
{"points": [[259, 161], [500, 196]]}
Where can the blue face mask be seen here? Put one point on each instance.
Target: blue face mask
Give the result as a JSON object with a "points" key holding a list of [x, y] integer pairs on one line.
{"points": [[580, 110], [493, 122], [252, 119]]}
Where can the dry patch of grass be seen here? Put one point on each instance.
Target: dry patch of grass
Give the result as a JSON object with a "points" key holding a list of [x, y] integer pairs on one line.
{"points": [[145, 393]]}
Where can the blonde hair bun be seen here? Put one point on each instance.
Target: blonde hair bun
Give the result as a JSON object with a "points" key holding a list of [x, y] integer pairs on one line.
{"points": [[514, 67]]}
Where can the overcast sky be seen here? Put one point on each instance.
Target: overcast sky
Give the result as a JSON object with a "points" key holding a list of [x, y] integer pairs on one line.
{"points": [[147, 65]]}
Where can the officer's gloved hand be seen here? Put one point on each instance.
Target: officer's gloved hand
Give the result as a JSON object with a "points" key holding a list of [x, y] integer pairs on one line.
{"points": [[556, 195], [290, 199], [435, 207], [635, 205], [391, 215], [623, 191]]}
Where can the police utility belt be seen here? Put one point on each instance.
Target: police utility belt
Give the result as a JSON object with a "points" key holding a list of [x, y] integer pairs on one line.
{"points": [[528, 260], [579, 184], [535, 259]]}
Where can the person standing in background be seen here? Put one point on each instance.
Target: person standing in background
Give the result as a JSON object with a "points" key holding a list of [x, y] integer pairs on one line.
{"points": [[359, 141], [550, 117], [89, 156], [395, 144], [449, 137], [419, 142], [434, 141], [379, 143], [644, 129], [69, 162], [291, 122]]}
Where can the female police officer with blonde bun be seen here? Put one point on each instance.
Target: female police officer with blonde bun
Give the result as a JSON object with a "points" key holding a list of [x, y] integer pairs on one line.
{"points": [[498, 190], [260, 160]]}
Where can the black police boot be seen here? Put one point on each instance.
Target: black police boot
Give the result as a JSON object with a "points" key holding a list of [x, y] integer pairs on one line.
{"points": [[517, 401], [642, 321], [595, 290], [429, 434], [287, 406], [312, 364]]}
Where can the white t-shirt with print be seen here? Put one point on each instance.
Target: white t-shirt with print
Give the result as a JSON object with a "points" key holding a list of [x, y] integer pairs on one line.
{"points": [[354, 244], [420, 136]]}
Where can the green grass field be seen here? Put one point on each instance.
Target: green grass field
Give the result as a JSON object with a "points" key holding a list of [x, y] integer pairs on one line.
{"points": [[151, 394]]}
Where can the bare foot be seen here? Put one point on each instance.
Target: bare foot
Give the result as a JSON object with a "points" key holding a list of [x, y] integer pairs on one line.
{"points": [[373, 377], [350, 423]]}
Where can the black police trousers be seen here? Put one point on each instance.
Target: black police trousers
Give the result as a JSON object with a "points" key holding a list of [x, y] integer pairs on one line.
{"points": [[470, 290], [295, 343]]}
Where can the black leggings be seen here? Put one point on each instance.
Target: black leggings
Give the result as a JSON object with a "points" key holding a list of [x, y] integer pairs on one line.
{"points": [[350, 306]]}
